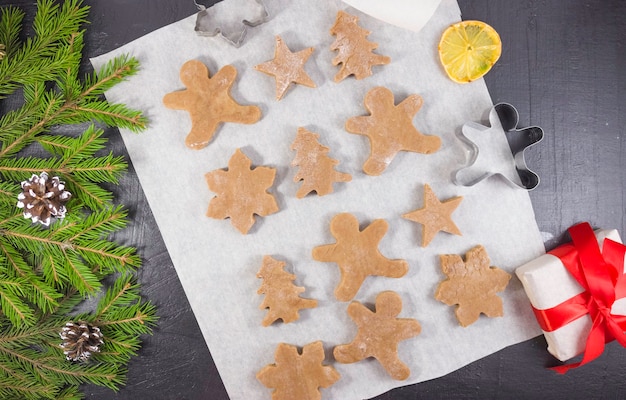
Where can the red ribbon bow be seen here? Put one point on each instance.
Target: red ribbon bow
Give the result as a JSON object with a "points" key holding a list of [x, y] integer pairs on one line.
{"points": [[601, 274]]}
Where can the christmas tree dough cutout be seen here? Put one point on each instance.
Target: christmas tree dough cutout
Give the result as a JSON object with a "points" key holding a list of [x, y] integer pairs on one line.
{"points": [[298, 376], [241, 192], [357, 255], [435, 216], [282, 297], [287, 68], [379, 333], [208, 102], [390, 129], [355, 52], [472, 285], [317, 170]]}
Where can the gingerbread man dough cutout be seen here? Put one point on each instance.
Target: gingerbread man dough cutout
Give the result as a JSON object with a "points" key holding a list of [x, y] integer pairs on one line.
{"points": [[208, 102], [356, 252], [390, 129], [379, 334]]}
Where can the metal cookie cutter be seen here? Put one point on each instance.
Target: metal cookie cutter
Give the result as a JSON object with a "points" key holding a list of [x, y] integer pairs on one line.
{"points": [[232, 25], [503, 119]]}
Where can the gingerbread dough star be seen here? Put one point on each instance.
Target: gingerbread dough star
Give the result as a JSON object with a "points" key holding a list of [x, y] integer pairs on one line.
{"points": [[435, 216], [208, 102], [241, 192], [287, 67], [356, 252], [390, 129], [379, 334]]}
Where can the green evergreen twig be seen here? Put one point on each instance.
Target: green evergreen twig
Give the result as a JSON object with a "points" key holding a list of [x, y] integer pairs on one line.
{"points": [[46, 272]]}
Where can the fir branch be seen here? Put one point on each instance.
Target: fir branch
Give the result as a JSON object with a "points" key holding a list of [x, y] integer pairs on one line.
{"points": [[10, 28], [123, 293], [69, 83], [16, 310], [109, 256], [94, 169], [119, 348], [27, 336], [56, 145], [71, 149], [15, 122], [109, 75], [19, 169], [133, 320], [61, 109], [94, 196], [96, 252], [46, 272], [25, 389], [79, 275], [106, 113], [39, 58], [69, 393], [36, 290], [8, 193], [48, 109], [67, 304], [69, 373], [98, 225], [53, 271]]}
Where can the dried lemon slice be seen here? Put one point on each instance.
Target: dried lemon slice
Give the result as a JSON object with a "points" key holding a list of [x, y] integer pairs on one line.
{"points": [[468, 50]]}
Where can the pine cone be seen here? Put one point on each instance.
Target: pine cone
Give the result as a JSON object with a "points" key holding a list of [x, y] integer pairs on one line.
{"points": [[42, 199], [80, 340]]}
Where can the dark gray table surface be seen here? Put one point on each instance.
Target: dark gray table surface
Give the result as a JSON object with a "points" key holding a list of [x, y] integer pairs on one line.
{"points": [[562, 66]]}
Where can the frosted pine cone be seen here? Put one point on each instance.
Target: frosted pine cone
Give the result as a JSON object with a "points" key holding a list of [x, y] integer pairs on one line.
{"points": [[80, 340], [42, 198]]}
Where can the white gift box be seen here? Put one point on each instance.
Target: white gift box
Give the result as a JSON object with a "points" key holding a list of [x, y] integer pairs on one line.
{"points": [[547, 284]]}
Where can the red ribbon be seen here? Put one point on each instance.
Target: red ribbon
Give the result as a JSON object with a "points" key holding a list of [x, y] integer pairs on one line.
{"points": [[601, 274]]}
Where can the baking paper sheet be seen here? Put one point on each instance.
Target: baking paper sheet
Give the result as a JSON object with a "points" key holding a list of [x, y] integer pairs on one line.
{"points": [[408, 14], [217, 265]]}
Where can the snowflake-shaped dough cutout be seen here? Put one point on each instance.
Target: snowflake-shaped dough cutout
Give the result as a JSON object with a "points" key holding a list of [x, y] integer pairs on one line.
{"points": [[230, 19], [241, 192], [435, 216], [390, 129], [298, 376], [472, 285], [357, 255], [287, 67], [208, 102], [379, 333]]}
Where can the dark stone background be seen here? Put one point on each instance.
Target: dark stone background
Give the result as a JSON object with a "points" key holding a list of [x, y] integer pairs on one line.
{"points": [[562, 66]]}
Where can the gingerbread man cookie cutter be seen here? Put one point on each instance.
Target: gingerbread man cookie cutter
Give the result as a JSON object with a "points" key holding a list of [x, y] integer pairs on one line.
{"points": [[503, 120], [210, 23]]}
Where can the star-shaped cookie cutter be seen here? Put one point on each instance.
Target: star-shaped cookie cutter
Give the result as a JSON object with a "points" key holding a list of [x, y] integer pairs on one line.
{"points": [[207, 24], [503, 119]]}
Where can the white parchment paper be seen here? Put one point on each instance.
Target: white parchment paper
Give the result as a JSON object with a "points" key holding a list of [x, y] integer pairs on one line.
{"points": [[408, 14], [217, 265]]}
